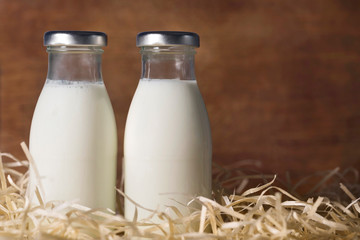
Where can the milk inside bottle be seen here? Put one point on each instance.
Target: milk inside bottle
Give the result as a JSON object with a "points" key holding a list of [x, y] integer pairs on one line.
{"points": [[167, 144], [73, 136]]}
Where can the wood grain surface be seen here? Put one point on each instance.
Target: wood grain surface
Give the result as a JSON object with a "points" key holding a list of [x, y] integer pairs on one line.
{"points": [[281, 79]]}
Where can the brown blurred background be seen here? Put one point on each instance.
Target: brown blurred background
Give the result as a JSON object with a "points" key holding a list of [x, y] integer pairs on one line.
{"points": [[281, 79]]}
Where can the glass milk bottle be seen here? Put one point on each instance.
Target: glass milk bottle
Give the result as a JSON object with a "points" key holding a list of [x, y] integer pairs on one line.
{"points": [[73, 137], [167, 145]]}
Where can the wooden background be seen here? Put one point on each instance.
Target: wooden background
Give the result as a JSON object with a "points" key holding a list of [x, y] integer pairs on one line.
{"points": [[280, 79]]}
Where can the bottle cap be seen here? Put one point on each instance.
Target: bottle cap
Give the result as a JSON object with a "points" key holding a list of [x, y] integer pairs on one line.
{"points": [[167, 38], [75, 38]]}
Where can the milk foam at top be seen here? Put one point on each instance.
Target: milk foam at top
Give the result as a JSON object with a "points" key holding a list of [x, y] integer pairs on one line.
{"points": [[167, 146], [74, 144]]}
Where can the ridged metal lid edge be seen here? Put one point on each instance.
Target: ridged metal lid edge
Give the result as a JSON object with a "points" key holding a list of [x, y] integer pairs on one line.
{"points": [[167, 38], [75, 38]]}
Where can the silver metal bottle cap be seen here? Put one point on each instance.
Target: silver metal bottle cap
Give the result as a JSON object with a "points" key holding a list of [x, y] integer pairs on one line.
{"points": [[167, 38], [75, 38]]}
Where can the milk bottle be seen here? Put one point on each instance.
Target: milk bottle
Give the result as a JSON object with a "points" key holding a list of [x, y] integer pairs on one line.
{"points": [[167, 144], [73, 132]]}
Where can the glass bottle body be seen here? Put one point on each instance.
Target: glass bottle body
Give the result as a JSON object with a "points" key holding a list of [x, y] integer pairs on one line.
{"points": [[167, 145], [73, 131]]}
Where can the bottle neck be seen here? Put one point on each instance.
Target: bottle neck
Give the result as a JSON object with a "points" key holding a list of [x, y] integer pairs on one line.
{"points": [[168, 62], [74, 63]]}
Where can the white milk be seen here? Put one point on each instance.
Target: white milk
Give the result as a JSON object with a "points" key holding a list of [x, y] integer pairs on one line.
{"points": [[167, 146], [74, 144]]}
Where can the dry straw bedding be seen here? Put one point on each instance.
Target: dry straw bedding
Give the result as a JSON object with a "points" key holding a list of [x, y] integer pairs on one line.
{"points": [[263, 212]]}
